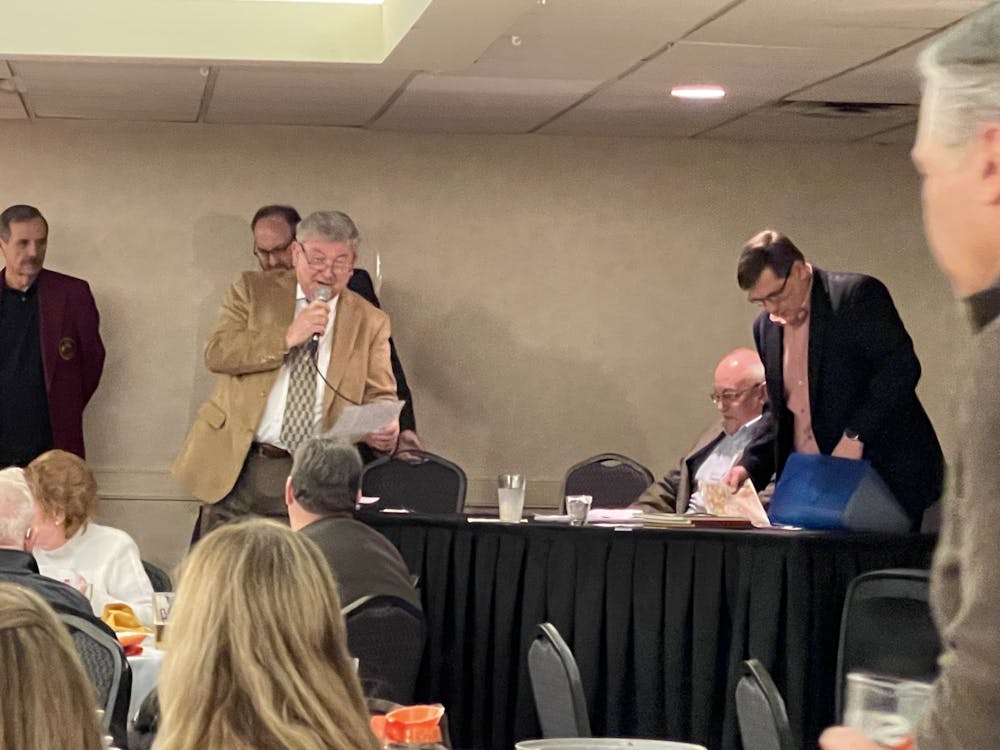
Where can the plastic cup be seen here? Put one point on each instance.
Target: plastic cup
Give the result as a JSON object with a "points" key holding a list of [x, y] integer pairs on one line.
{"points": [[162, 602], [577, 507], [884, 709], [510, 497]]}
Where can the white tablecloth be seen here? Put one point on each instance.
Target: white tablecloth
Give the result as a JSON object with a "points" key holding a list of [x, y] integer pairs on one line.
{"points": [[145, 672]]}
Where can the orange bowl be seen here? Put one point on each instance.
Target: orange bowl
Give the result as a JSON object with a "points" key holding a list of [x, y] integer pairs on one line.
{"points": [[414, 724], [131, 639]]}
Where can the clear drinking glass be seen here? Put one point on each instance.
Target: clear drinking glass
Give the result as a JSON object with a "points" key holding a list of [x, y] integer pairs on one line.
{"points": [[577, 507], [884, 709], [510, 497], [162, 602]]}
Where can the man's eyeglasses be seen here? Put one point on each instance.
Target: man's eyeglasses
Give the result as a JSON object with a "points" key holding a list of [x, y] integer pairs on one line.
{"points": [[264, 253], [728, 397], [773, 296], [321, 263]]}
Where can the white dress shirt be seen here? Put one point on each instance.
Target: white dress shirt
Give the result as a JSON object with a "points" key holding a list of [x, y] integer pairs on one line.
{"points": [[269, 429], [723, 457]]}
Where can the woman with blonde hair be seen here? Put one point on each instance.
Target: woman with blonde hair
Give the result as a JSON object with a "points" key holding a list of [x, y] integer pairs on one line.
{"points": [[256, 650], [101, 561], [48, 701]]}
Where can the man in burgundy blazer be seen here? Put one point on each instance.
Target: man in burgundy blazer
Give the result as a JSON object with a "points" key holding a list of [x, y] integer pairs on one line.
{"points": [[51, 353]]}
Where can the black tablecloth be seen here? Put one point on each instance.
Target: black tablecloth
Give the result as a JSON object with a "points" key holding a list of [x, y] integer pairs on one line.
{"points": [[659, 621]]}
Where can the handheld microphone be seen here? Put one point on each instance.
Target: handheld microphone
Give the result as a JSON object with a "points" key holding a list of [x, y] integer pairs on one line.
{"points": [[323, 294]]}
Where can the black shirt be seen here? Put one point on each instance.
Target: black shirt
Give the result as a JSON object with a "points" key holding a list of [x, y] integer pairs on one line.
{"points": [[25, 430]]}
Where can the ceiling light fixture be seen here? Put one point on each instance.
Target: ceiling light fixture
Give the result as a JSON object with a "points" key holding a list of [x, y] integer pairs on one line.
{"points": [[698, 92]]}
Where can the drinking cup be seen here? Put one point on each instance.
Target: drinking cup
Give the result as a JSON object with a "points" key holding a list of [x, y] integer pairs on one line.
{"points": [[510, 497], [577, 507], [884, 709], [162, 602]]}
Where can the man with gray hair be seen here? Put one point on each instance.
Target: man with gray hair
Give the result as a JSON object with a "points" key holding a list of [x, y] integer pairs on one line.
{"points": [[291, 350], [321, 494], [957, 153], [17, 514]]}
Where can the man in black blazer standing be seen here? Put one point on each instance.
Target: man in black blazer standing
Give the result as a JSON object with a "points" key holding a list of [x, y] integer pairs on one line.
{"points": [[841, 372], [273, 230]]}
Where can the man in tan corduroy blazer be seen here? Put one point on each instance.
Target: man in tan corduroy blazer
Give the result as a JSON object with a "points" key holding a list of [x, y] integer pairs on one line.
{"points": [[233, 459]]}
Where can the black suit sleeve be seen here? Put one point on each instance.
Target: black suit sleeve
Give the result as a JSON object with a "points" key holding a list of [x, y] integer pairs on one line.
{"points": [[888, 349], [361, 283]]}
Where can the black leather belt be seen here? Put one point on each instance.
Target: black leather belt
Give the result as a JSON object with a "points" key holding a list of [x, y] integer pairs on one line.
{"points": [[267, 450]]}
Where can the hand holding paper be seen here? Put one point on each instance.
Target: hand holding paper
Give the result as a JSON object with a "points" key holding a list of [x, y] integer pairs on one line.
{"points": [[744, 503], [377, 423]]}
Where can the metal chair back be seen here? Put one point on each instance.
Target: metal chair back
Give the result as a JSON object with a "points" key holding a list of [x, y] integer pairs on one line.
{"points": [[418, 481], [157, 577], [611, 479], [887, 628], [555, 682], [109, 671], [386, 634], [760, 710]]}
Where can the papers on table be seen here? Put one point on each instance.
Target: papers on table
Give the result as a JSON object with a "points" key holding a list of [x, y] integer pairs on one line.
{"points": [[744, 503], [614, 517], [357, 421]]}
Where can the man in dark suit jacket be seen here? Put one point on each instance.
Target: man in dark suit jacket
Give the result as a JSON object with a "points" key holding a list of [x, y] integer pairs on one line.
{"points": [[321, 494], [51, 353], [273, 230], [841, 372]]}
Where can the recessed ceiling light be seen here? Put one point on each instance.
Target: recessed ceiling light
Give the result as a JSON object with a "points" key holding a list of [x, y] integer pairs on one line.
{"points": [[698, 92]]}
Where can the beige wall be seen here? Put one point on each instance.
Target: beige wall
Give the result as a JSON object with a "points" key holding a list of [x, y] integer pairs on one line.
{"points": [[551, 297]]}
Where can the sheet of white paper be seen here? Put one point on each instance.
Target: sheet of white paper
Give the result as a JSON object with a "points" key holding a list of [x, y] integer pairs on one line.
{"points": [[357, 421]]}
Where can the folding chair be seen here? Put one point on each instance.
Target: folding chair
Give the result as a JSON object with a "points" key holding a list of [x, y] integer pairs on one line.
{"points": [[421, 482], [611, 479], [555, 682], [386, 634], [887, 628], [109, 671], [761, 710]]}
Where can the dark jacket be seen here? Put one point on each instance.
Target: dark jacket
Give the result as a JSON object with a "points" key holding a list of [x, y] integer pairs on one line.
{"points": [[863, 373], [72, 353]]}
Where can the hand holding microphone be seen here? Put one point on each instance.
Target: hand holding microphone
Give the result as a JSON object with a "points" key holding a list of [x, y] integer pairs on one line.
{"points": [[310, 322]]}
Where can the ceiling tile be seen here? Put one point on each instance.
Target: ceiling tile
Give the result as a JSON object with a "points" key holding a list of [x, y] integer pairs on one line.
{"points": [[905, 134], [640, 104], [864, 25], [785, 124], [347, 96], [120, 90], [892, 79], [462, 104]]}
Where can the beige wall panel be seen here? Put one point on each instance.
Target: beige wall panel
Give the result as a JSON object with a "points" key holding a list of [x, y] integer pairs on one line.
{"points": [[551, 297]]}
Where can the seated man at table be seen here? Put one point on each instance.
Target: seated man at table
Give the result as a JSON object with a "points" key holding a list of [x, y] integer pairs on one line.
{"points": [[739, 395], [17, 513], [321, 494]]}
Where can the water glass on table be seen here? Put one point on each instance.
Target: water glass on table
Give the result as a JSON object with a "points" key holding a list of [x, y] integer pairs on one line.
{"points": [[577, 508], [510, 497], [884, 709], [162, 602]]}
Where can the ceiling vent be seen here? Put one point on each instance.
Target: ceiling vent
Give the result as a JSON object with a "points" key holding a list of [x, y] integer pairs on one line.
{"points": [[845, 110]]}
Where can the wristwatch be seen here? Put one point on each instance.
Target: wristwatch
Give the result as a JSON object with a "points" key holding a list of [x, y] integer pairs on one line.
{"points": [[852, 434]]}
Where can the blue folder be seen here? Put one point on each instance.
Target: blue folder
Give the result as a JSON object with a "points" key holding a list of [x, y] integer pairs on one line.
{"points": [[823, 492]]}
